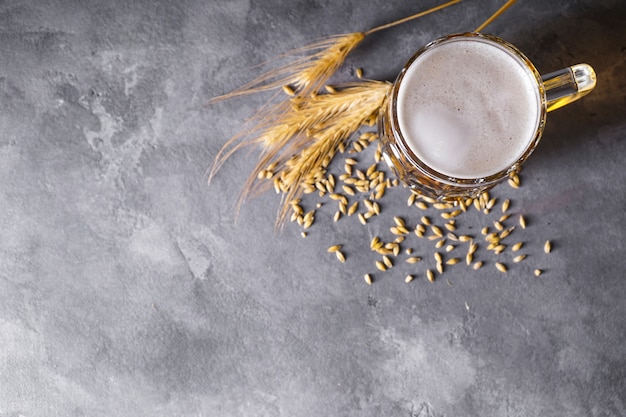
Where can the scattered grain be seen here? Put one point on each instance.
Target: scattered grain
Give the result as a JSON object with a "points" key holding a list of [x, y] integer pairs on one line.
{"points": [[519, 258], [505, 205], [438, 257], [547, 247], [501, 267]]}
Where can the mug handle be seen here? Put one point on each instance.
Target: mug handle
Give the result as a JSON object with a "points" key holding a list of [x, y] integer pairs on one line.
{"points": [[568, 85]]}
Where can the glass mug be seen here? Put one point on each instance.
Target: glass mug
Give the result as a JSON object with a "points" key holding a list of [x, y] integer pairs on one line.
{"points": [[467, 110]]}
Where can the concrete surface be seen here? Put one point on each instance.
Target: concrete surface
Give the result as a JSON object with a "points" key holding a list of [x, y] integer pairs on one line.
{"points": [[128, 290]]}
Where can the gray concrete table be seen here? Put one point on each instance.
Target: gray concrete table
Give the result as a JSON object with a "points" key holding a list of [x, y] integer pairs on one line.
{"points": [[127, 288]]}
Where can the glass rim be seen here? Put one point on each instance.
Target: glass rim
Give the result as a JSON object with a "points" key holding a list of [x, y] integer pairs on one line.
{"points": [[439, 176]]}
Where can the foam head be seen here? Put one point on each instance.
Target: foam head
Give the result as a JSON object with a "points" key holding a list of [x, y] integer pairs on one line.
{"points": [[468, 107]]}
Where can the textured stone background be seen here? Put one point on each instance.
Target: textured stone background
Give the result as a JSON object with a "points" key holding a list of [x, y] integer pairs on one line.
{"points": [[128, 290]]}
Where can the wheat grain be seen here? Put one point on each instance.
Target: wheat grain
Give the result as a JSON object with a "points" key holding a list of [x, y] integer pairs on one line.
{"points": [[547, 247]]}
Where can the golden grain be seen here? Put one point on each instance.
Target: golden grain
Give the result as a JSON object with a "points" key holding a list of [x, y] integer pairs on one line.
{"points": [[449, 248], [413, 259], [426, 221], [368, 279], [522, 221], [501, 267], [453, 261], [498, 226], [465, 238], [334, 248], [340, 256], [348, 190], [399, 221], [436, 230], [507, 232], [362, 219], [442, 206], [450, 226], [408, 251], [303, 234], [519, 258], [289, 90], [353, 208], [477, 203], [421, 205], [440, 268], [387, 261], [359, 73], [430, 275], [517, 246], [438, 257], [469, 258], [440, 243], [505, 205], [381, 266], [477, 265], [547, 247], [512, 183], [408, 278], [538, 272]]}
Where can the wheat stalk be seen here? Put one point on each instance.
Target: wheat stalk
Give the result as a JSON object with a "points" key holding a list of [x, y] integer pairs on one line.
{"points": [[494, 16], [309, 73], [301, 142]]}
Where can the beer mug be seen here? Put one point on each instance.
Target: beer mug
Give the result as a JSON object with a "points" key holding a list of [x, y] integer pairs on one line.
{"points": [[467, 110]]}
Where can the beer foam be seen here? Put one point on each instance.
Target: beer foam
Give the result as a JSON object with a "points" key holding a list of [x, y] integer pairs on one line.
{"points": [[468, 108]]}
